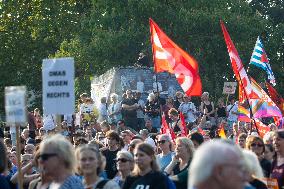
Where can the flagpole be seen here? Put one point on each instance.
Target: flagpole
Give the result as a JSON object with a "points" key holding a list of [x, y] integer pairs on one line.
{"points": [[251, 114], [157, 87]]}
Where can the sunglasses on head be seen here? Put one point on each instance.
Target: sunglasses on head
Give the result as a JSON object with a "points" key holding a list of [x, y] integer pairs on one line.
{"points": [[45, 157], [123, 160], [258, 145], [162, 142]]}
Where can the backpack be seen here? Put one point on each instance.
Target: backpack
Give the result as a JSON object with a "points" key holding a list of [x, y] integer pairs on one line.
{"points": [[101, 184]]}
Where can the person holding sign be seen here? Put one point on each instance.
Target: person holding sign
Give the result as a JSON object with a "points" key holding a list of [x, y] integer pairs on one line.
{"points": [[3, 164]]}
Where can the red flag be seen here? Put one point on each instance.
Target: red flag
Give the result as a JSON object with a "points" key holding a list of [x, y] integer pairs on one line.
{"points": [[183, 124], [166, 129], [201, 131], [261, 128], [238, 68], [277, 99], [167, 56]]}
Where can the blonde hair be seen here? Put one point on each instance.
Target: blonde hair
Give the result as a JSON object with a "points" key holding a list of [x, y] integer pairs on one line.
{"points": [[62, 147], [93, 148], [188, 144], [149, 150]]}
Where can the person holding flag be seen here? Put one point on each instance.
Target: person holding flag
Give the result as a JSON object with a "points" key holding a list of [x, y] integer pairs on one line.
{"points": [[188, 109]]}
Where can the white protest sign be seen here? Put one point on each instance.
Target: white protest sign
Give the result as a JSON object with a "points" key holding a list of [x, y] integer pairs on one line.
{"points": [[15, 104], [58, 86], [229, 87]]}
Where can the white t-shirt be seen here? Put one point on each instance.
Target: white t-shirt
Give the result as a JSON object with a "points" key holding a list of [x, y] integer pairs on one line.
{"points": [[189, 109], [157, 85], [49, 122], [231, 112], [102, 113], [115, 108], [140, 113]]}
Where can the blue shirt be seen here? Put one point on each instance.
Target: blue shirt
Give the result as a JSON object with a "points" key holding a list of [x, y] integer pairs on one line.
{"points": [[164, 161]]}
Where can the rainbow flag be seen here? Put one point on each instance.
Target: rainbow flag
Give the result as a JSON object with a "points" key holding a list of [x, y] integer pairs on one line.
{"points": [[261, 107], [244, 114]]}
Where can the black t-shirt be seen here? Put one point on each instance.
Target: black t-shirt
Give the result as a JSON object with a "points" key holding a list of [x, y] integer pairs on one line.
{"points": [[129, 113], [152, 109], [266, 167], [152, 180], [257, 184], [221, 112], [110, 163], [153, 130], [176, 104]]}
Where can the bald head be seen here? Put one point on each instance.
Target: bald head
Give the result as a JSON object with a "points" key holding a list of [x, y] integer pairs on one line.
{"points": [[218, 160]]}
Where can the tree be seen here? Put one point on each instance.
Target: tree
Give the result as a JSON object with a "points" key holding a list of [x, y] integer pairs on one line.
{"points": [[117, 31], [29, 32], [273, 10]]}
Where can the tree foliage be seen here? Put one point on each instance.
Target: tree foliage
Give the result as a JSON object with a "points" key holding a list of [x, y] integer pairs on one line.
{"points": [[117, 31], [103, 34], [29, 32]]}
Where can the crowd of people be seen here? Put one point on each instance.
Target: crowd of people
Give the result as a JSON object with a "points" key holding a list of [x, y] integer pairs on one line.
{"points": [[120, 144]]}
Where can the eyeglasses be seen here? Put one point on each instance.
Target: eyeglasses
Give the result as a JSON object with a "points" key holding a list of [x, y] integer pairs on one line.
{"points": [[28, 150], [123, 160], [258, 145], [45, 157], [162, 142]]}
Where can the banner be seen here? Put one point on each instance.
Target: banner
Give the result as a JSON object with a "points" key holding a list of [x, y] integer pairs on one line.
{"points": [[229, 87], [15, 104], [58, 86], [101, 86]]}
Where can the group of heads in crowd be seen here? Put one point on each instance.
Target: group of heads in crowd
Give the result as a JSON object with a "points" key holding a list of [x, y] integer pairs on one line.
{"points": [[109, 152], [184, 162]]}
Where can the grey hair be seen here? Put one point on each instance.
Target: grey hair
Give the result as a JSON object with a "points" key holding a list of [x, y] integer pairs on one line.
{"points": [[252, 164], [126, 154], [206, 157], [165, 137], [62, 147]]}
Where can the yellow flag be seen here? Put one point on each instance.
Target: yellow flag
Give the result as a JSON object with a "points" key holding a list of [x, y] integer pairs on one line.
{"points": [[222, 133]]}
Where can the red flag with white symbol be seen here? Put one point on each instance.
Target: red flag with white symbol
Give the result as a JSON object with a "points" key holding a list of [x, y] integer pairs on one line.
{"points": [[238, 68], [167, 56], [261, 128]]}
